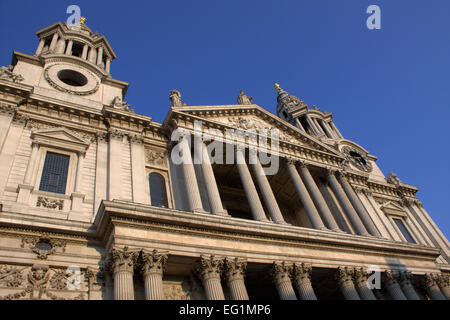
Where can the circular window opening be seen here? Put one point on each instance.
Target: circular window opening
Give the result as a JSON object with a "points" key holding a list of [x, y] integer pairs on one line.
{"points": [[358, 157], [72, 78], [43, 245]]}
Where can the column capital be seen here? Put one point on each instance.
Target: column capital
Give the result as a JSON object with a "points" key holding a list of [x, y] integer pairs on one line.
{"points": [[330, 171], [291, 161], [360, 276], [281, 272], [153, 262], [302, 271], [136, 138], [302, 164], [235, 269], [442, 280], [430, 280], [123, 260], [344, 274], [209, 267], [390, 277]]}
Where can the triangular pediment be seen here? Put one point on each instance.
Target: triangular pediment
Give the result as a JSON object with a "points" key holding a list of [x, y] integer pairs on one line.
{"points": [[391, 208], [60, 137], [255, 117]]}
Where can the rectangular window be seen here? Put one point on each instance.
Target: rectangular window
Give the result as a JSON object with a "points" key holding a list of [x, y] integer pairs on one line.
{"points": [[404, 231], [54, 174]]}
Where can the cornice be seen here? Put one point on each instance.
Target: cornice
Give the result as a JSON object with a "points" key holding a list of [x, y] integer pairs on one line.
{"points": [[141, 216]]}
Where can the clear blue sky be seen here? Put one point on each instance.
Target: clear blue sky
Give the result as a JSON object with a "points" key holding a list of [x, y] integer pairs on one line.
{"points": [[388, 89]]}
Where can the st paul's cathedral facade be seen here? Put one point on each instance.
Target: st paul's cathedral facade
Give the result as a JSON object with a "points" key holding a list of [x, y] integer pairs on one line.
{"points": [[92, 207]]}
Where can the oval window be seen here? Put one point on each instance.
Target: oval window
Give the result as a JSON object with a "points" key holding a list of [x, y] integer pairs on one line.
{"points": [[72, 78]]}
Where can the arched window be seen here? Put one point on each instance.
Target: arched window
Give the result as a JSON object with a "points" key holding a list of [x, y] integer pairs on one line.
{"points": [[158, 194]]}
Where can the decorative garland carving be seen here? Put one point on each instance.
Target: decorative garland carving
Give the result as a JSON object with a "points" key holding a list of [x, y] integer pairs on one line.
{"points": [[50, 203], [38, 283], [10, 276], [55, 244]]}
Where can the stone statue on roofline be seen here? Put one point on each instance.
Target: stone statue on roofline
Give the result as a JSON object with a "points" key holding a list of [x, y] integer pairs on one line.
{"points": [[243, 98]]}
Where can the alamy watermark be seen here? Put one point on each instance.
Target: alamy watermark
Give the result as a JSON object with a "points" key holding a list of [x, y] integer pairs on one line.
{"points": [[374, 20]]}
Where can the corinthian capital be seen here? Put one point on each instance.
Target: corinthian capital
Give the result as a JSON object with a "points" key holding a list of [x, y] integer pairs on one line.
{"points": [[390, 277], [123, 260], [235, 269], [302, 271], [153, 262], [281, 271], [443, 281], [360, 276], [209, 267], [344, 274], [430, 280]]}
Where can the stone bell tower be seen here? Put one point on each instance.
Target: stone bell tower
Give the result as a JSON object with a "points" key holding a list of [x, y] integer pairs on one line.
{"points": [[312, 121], [71, 64]]}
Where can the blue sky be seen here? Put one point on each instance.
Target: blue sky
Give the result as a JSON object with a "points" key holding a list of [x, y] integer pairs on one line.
{"points": [[388, 89]]}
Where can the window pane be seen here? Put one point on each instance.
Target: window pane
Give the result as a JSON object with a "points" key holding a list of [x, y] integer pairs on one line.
{"points": [[404, 231], [54, 174], [158, 195]]}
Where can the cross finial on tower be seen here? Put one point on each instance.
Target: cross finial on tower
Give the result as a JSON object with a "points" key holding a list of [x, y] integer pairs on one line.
{"points": [[82, 20]]}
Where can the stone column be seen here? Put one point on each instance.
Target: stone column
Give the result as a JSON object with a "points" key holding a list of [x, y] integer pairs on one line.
{"points": [[40, 47], [85, 52], [138, 175], [302, 279], [391, 284], [100, 56], [303, 194], [69, 47], [318, 198], [345, 204], [312, 125], [336, 130], [108, 65], [356, 202], [209, 269], [60, 46], [327, 130], [444, 283], [267, 193], [249, 187], [54, 42], [122, 266], [92, 56], [432, 288], [281, 273], [153, 264], [189, 177], [234, 273], [344, 276], [212, 190], [360, 278], [405, 283]]}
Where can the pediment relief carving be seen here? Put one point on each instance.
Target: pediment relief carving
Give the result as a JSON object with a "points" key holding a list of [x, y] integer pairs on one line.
{"points": [[247, 122]]}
